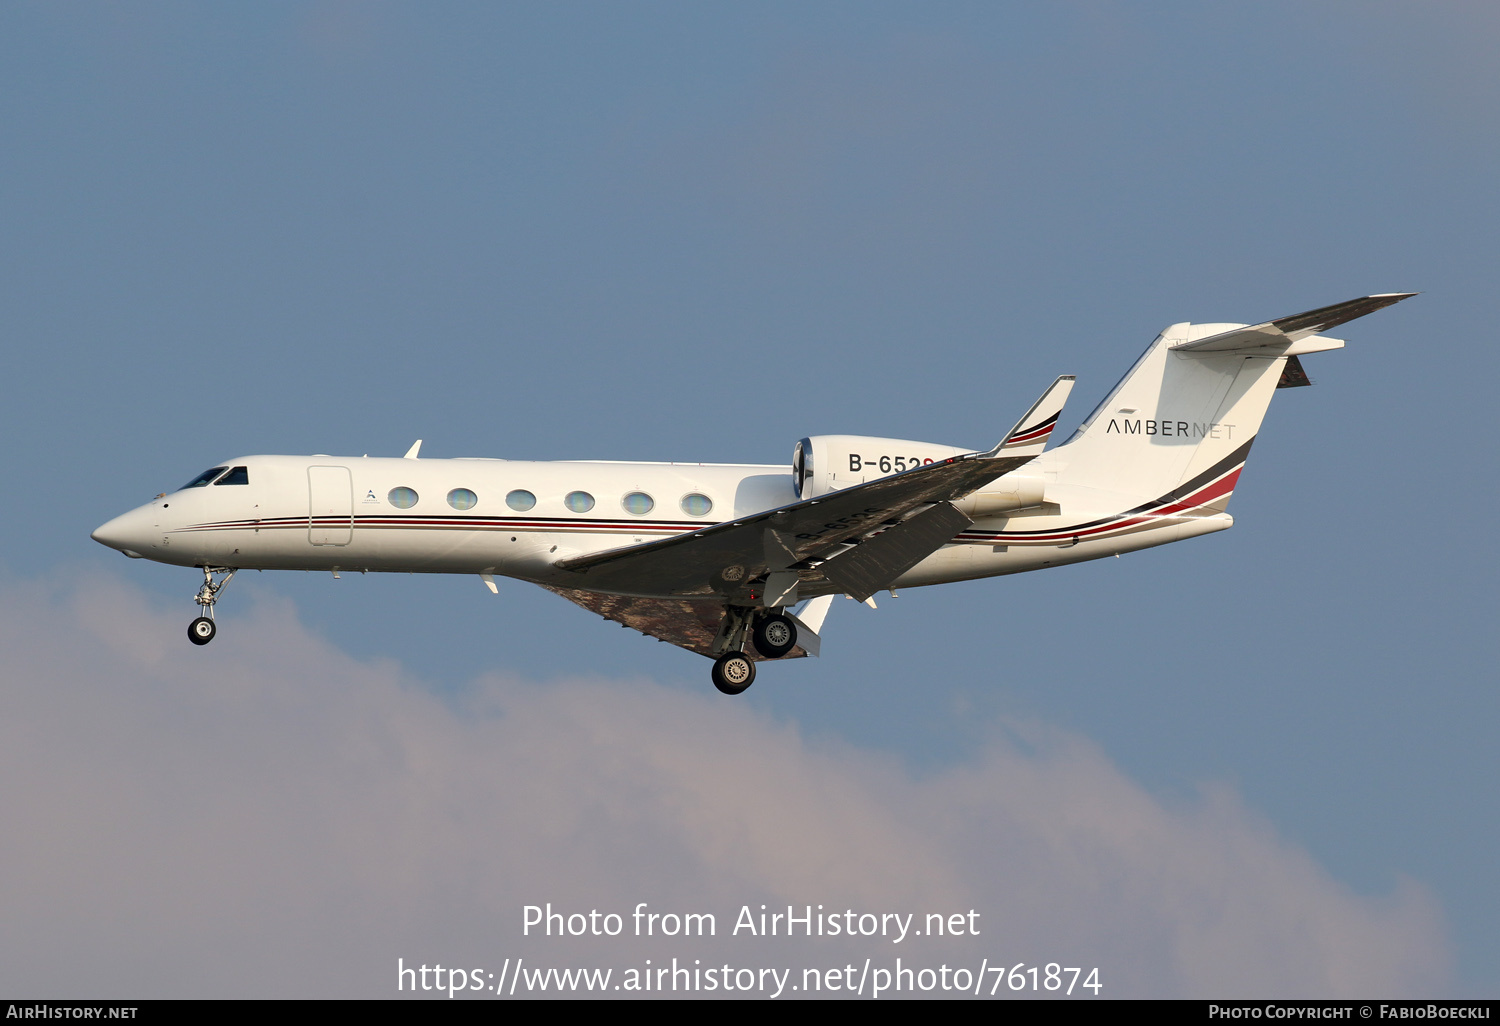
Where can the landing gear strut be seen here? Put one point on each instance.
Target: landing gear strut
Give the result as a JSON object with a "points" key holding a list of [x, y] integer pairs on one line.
{"points": [[202, 630], [773, 632]]}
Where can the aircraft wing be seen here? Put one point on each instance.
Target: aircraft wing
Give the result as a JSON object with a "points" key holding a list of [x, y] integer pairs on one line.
{"points": [[855, 541], [725, 558], [908, 515]]}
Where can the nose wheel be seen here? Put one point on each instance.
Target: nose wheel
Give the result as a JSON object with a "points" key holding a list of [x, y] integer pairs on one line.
{"points": [[202, 630]]}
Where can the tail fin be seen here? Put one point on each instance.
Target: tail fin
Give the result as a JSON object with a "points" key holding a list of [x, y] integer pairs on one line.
{"points": [[1181, 421]]}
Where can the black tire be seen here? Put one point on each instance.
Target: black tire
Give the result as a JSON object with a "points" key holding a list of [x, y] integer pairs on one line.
{"points": [[201, 631], [733, 673], [775, 635]]}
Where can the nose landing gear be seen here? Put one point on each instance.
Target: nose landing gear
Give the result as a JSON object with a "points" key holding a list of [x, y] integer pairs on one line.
{"points": [[202, 630]]}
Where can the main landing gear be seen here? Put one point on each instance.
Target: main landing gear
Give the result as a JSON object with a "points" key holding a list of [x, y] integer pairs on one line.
{"points": [[774, 634], [202, 630], [733, 673]]}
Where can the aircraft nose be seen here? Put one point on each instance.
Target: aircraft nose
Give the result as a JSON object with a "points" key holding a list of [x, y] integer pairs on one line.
{"points": [[127, 533]]}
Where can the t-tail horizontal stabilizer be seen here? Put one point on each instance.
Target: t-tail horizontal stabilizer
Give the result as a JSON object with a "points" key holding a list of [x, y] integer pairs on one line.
{"points": [[1185, 414], [1277, 338]]}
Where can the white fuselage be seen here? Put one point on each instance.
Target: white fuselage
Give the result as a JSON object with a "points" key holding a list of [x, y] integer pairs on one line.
{"points": [[741, 562], [452, 516]]}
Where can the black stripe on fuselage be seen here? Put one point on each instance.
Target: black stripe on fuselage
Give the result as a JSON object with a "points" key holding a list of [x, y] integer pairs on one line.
{"points": [[1182, 491], [388, 521]]}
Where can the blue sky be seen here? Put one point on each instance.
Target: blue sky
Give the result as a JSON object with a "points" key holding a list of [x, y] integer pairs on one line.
{"points": [[702, 231]]}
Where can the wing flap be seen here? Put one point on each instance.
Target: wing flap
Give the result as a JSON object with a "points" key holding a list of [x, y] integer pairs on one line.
{"points": [[810, 619], [876, 562]]}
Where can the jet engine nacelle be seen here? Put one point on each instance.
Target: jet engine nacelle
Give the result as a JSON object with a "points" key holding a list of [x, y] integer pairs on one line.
{"points": [[1004, 495], [826, 463]]}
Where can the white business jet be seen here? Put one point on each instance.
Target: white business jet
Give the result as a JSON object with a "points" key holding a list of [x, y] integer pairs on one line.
{"points": [[741, 562]]}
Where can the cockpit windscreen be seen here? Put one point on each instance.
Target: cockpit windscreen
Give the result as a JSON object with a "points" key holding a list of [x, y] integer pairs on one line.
{"points": [[203, 478]]}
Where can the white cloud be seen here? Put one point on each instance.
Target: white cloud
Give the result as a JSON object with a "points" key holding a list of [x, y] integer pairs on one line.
{"points": [[269, 816]]}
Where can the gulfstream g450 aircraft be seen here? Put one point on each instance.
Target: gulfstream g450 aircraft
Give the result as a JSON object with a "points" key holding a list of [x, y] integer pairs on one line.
{"points": [[740, 563]]}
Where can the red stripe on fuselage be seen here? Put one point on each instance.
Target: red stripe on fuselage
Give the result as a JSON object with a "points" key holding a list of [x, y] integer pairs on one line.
{"points": [[1223, 486]]}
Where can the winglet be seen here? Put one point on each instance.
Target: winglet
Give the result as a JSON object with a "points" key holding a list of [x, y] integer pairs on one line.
{"points": [[1029, 436], [411, 453]]}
